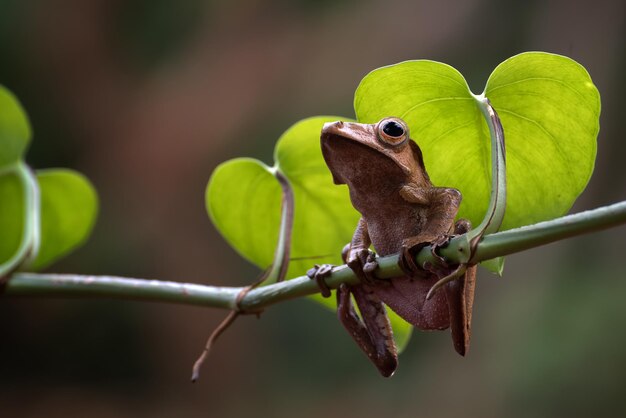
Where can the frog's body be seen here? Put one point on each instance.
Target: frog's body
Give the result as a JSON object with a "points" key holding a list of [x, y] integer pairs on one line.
{"points": [[401, 210]]}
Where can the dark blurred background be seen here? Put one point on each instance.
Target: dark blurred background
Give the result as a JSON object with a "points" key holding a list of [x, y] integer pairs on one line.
{"points": [[147, 97]]}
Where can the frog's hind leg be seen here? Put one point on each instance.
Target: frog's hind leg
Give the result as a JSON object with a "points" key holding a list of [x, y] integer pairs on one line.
{"points": [[460, 296], [372, 334]]}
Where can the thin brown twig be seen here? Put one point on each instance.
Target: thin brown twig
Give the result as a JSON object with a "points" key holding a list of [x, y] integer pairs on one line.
{"points": [[225, 324], [281, 256]]}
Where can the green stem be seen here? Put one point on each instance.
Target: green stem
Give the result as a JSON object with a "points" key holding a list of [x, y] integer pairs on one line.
{"points": [[494, 245], [466, 244], [282, 254], [29, 242], [524, 238], [497, 201]]}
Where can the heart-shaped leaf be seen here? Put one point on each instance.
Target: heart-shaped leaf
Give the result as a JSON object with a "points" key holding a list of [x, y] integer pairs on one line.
{"points": [[14, 129], [11, 215], [243, 199], [68, 200], [549, 109], [68, 212], [69, 206]]}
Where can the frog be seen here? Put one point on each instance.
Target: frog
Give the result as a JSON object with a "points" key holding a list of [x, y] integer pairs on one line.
{"points": [[401, 212]]}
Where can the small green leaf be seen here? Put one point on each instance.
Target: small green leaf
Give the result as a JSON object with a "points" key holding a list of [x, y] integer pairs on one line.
{"points": [[69, 206], [244, 198], [495, 265], [68, 201], [11, 215], [243, 201], [549, 109], [14, 129], [324, 217]]}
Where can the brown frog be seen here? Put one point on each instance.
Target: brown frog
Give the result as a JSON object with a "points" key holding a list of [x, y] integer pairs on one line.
{"points": [[401, 213]]}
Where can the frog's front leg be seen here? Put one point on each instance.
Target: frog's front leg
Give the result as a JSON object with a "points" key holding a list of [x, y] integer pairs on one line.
{"points": [[373, 333], [358, 256]]}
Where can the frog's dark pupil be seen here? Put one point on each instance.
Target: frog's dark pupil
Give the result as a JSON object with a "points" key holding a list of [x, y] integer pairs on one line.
{"points": [[393, 129]]}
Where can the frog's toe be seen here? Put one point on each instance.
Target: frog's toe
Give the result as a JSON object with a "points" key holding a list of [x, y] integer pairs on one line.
{"points": [[319, 273], [363, 263], [462, 226], [369, 268], [439, 242], [406, 261]]}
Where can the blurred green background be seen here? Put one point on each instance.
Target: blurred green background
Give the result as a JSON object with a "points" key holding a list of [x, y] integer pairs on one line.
{"points": [[147, 97]]}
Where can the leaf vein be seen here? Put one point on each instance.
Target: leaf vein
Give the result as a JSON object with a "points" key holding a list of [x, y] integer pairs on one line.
{"points": [[544, 130], [555, 80], [439, 99]]}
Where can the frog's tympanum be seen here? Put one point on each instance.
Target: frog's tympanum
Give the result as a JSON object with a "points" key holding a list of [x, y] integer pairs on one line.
{"points": [[401, 212]]}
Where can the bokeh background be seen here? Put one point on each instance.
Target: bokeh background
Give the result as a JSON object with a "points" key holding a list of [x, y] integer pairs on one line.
{"points": [[147, 97]]}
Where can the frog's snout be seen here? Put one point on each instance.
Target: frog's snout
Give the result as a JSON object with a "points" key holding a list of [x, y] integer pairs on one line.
{"points": [[331, 125]]}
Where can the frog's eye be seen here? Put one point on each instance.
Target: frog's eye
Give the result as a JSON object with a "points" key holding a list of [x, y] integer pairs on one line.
{"points": [[392, 131]]}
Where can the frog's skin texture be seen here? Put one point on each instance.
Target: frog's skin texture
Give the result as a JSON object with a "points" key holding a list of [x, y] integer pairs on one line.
{"points": [[401, 211]]}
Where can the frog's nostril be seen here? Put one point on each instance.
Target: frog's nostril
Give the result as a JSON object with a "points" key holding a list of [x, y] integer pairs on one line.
{"points": [[339, 123]]}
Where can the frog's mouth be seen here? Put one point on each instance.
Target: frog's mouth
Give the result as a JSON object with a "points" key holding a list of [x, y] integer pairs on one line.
{"points": [[351, 160], [351, 149]]}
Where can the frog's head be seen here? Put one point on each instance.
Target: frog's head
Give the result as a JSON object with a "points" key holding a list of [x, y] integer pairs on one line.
{"points": [[358, 152]]}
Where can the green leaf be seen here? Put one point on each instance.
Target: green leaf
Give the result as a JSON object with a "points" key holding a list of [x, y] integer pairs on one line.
{"points": [[68, 211], [69, 206], [68, 201], [495, 265], [324, 217], [14, 129], [550, 113], [11, 215], [243, 199]]}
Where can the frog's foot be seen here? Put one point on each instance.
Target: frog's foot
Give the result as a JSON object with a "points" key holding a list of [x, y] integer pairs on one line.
{"points": [[440, 262], [319, 273], [362, 262], [412, 246], [462, 226], [446, 273], [406, 261]]}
